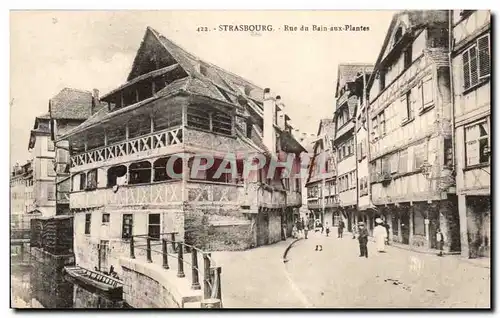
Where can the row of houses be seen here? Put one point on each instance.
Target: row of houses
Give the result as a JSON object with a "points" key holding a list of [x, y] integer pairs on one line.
{"points": [[122, 164], [409, 140]]}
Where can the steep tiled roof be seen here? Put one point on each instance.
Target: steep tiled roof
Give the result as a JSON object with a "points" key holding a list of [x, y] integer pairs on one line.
{"points": [[71, 103], [348, 72]]}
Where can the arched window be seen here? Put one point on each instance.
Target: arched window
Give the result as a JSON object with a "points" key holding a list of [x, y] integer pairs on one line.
{"points": [[116, 175], [139, 172], [160, 169]]}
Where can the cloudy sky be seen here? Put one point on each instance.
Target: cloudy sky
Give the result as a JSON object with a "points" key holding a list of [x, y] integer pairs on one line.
{"points": [[95, 49]]}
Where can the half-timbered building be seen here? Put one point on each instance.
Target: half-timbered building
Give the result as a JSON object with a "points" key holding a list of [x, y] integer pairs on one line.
{"points": [[471, 83], [410, 124], [133, 162]]}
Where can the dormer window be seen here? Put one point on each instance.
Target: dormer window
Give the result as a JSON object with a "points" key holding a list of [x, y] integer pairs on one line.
{"points": [[398, 35]]}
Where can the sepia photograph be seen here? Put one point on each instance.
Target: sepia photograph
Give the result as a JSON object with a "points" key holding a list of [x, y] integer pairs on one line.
{"points": [[319, 159]]}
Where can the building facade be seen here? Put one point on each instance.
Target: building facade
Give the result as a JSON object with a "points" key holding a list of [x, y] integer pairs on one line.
{"points": [[410, 125], [322, 197], [68, 109], [21, 196], [42, 150], [348, 94], [471, 74], [135, 163]]}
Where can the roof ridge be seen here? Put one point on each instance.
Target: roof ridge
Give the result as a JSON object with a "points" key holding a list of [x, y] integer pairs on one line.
{"points": [[76, 90]]}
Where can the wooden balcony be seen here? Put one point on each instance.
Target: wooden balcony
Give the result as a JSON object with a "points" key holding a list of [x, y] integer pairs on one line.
{"points": [[148, 194], [143, 146]]}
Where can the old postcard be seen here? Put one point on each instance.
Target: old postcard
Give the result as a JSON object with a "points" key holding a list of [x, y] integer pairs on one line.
{"points": [[250, 159]]}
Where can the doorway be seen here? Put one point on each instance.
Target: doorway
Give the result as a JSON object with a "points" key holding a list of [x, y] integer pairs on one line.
{"points": [[405, 226], [263, 229]]}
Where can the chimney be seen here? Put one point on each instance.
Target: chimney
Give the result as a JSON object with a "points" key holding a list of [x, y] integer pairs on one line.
{"points": [[269, 118], [280, 113], [96, 103]]}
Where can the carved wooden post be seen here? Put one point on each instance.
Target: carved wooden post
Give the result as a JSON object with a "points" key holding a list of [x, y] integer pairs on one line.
{"points": [[148, 250], [194, 269], [132, 252], [180, 271], [206, 275], [165, 255]]}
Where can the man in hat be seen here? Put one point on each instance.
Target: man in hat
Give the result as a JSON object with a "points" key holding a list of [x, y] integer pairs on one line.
{"points": [[363, 240], [380, 234]]}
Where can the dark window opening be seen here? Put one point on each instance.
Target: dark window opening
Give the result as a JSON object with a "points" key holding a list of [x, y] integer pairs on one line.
{"points": [[140, 172], [145, 90], [249, 129], [159, 83], [96, 139], [382, 79], [171, 117], [408, 56], [116, 174], [154, 226], [198, 117], [88, 217], [223, 93], [129, 97], [105, 218], [116, 134], [212, 171], [398, 35], [221, 123], [160, 169], [127, 226], [92, 180], [83, 181], [139, 126]]}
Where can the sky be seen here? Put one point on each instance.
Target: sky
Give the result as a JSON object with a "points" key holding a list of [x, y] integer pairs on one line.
{"points": [[51, 50]]}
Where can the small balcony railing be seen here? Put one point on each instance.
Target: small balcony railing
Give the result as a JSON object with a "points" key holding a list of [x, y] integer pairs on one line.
{"points": [[144, 143], [211, 275]]}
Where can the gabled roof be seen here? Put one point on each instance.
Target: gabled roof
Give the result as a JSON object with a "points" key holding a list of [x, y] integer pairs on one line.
{"points": [[414, 19], [348, 72], [71, 103]]}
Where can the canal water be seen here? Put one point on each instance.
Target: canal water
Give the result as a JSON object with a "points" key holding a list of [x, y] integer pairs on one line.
{"points": [[35, 285]]}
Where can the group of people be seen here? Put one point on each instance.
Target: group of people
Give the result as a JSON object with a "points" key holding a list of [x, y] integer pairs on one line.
{"points": [[380, 233]]}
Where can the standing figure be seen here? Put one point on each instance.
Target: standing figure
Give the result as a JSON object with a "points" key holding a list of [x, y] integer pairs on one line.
{"points": [[440, 241], [380, 234], [284, 231], [306, 229], [327, 229], [354, 231], [294, 232], [341, 228], [363, 240], [302, 224]]}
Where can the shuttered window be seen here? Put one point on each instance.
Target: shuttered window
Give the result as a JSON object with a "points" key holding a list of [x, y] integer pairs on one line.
{"points": [[483, 46], [477, 143], [476, 62], [403, 161]]}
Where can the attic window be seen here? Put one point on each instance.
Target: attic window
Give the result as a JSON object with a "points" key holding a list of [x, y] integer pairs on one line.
{"points": [[398, 35]]}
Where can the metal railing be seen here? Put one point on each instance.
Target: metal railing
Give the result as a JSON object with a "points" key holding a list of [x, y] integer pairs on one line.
{"points": [[211, 272]]}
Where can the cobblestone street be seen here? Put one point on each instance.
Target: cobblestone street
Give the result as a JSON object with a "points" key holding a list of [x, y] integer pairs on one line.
{"points": [[337, 277]]}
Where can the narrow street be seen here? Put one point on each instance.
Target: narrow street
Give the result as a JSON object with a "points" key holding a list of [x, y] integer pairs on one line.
{"points": [[338, 277]]}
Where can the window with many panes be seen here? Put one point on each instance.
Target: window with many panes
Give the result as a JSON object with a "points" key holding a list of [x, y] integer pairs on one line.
{"points": [[476, 62], [105, 218], [154, 226], [419, 156], [477, 143], [407, 102], [127, 225]]}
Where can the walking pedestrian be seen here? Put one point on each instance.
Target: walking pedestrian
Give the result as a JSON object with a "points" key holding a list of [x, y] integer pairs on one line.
{"points": [[306, 230], [440, 241], [327, 229], [380, 234], [387, 228], [363, 240], [340, 229]]}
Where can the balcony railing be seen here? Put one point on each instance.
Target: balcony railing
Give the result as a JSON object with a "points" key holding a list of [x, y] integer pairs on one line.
{"points": [[176, 260], [144, 143]]}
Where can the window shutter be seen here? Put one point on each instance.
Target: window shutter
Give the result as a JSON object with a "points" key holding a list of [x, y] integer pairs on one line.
{"points": [[466, 69], [472, 151], [473, 66], [483, 45], [404, 105]]}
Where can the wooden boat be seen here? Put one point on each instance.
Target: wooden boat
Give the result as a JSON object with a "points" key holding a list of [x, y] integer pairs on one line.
{"points": [[96, 281]]}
